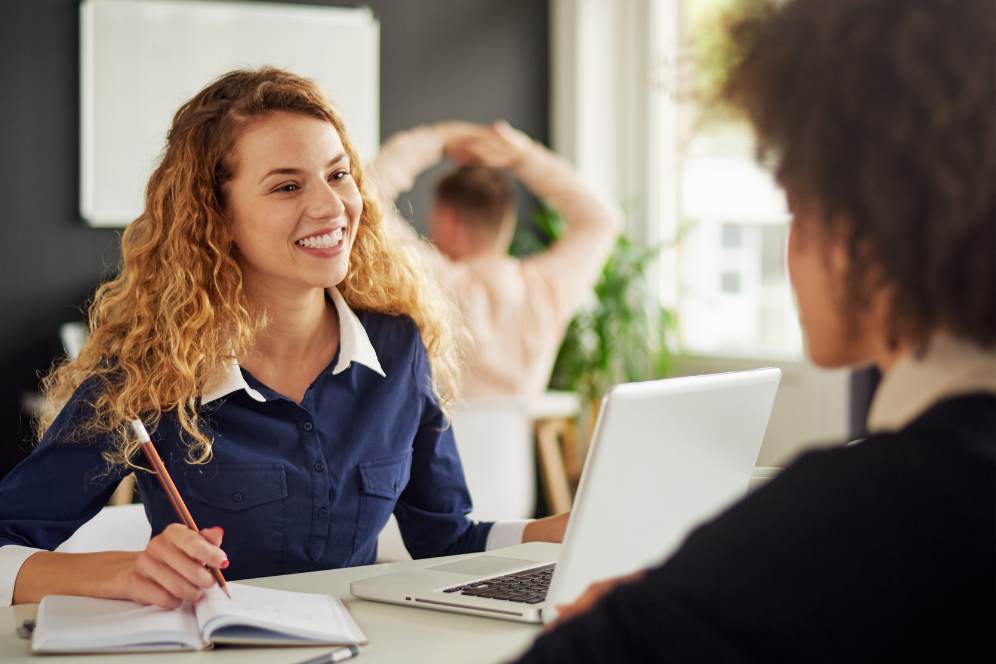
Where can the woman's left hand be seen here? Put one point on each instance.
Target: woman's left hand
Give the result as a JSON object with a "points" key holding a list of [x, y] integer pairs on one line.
{"points": [[549, 529]]}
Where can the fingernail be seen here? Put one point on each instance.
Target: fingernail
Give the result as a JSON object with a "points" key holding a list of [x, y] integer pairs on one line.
{"points": [[224, 564]]}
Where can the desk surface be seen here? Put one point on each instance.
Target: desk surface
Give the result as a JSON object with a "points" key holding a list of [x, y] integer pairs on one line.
{"points": [[395, 633]]}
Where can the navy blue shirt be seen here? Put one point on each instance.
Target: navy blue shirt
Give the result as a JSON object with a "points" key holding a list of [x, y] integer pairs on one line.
{"points": [[297, 487]]}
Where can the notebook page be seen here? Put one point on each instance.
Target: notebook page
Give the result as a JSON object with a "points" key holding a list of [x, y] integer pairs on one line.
{"points": [[79, 624], [307, 616]]}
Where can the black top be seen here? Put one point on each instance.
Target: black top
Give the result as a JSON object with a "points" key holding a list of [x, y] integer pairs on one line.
{"points": [[882, 551]]}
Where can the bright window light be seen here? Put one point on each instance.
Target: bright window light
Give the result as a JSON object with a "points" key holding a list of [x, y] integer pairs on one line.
{"points": [[728, 280]]}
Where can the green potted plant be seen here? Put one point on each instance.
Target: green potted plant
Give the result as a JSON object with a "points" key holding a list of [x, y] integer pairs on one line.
{"points": [[623, 335]]}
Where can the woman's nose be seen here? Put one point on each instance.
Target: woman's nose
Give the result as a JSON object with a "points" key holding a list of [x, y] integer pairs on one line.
{"points": [[326, 203]]}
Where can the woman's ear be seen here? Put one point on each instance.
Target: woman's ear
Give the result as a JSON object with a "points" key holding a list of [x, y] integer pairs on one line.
{"points": [[838, 254]]}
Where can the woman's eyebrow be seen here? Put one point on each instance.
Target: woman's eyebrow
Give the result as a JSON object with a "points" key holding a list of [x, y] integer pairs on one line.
{"points": [[289, 170]]}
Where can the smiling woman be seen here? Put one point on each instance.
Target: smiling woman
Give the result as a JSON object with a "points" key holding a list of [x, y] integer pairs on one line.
{"points": [[294, 222], [291, 360], [295, 210]]}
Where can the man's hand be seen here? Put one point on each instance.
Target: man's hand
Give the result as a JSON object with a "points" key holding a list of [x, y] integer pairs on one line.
{"points": [[493, 146], [591, 596], [454, 132]]}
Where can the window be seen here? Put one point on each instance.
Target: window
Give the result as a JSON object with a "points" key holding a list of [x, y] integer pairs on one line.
{"points": [[693, 188], [730, 282], [731, 235], [726, 274]]}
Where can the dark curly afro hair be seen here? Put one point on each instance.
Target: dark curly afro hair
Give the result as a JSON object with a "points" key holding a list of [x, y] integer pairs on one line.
{"points": [[883, 113]]}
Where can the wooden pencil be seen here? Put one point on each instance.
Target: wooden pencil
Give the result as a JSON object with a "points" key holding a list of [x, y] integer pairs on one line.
{"points": [[171, 491]]}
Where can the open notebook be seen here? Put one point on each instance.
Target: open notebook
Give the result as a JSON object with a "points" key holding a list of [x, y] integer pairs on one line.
{"points": [[254, 616]]}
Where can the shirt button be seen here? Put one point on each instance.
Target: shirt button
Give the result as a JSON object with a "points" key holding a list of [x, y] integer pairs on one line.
{"points": [[323, 512], [319, 466], [237, 497], [308, 426]]}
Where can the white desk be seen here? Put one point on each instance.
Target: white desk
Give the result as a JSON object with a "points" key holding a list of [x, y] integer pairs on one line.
{"points": [[554, 404], [397, 634]]}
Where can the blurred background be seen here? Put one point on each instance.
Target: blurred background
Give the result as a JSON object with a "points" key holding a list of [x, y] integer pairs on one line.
{"points": [[619, 88], [473, 59]]}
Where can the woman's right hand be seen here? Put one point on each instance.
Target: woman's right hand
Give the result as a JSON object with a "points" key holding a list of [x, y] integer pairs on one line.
{"points": [[591, 597], [172, 569]]}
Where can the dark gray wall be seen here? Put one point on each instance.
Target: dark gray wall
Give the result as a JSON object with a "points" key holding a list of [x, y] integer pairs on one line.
{"points": [[471, 59]]}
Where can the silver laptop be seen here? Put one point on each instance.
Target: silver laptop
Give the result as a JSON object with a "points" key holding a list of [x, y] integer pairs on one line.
{"points": [[665, 455]]}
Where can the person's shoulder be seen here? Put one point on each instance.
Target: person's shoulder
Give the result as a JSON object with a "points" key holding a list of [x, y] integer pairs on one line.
{"points": [[947, 453], [953, 433], [70, 422], [919, 492], [398, 344], [390, 334], [964, 425], [88, 391], [379, 324]]}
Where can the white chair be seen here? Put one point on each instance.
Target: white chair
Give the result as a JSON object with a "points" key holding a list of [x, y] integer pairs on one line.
{"points": [[495, 440], [117, 528]]}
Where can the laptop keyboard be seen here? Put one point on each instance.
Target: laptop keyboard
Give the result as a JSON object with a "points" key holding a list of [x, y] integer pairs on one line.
{"points": [[528, 586]]}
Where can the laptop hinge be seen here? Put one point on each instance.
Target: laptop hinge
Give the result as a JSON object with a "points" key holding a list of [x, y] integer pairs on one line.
{"points": [[471, 608]]}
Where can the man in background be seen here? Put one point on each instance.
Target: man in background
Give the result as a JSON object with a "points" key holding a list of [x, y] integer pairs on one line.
{"points": [[516, 310]]}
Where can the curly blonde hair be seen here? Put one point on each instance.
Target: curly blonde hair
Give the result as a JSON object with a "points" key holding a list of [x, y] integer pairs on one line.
{"points": [[177, 312]]}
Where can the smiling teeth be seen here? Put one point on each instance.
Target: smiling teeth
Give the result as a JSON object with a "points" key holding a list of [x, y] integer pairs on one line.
{"points": [[322, 241]]}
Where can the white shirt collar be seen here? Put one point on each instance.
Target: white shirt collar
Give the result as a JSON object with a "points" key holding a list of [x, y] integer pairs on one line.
{"points": [[354, 346], [950, 367]]}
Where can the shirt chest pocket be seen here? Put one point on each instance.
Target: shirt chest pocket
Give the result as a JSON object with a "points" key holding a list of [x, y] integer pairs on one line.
{"points": [[381, 484], [248, 501]]}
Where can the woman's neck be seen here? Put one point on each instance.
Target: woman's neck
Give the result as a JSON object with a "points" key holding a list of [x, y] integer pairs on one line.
{"points": [[880, 343], [300, 326], [887, 357]]}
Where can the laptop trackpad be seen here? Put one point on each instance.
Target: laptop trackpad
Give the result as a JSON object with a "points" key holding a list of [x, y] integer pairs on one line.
{"points": [[484, 565]]}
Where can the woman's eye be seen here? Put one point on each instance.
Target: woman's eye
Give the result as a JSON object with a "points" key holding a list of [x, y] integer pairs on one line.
{"points": [[286, 188], [339, 175]]}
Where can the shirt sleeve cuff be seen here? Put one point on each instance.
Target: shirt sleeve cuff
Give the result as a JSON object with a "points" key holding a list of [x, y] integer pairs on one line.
{"points": [[505, 533], [12, 556]]}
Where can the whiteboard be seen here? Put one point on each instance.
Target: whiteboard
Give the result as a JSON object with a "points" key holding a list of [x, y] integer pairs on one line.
{"points": [[141, 59]]}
